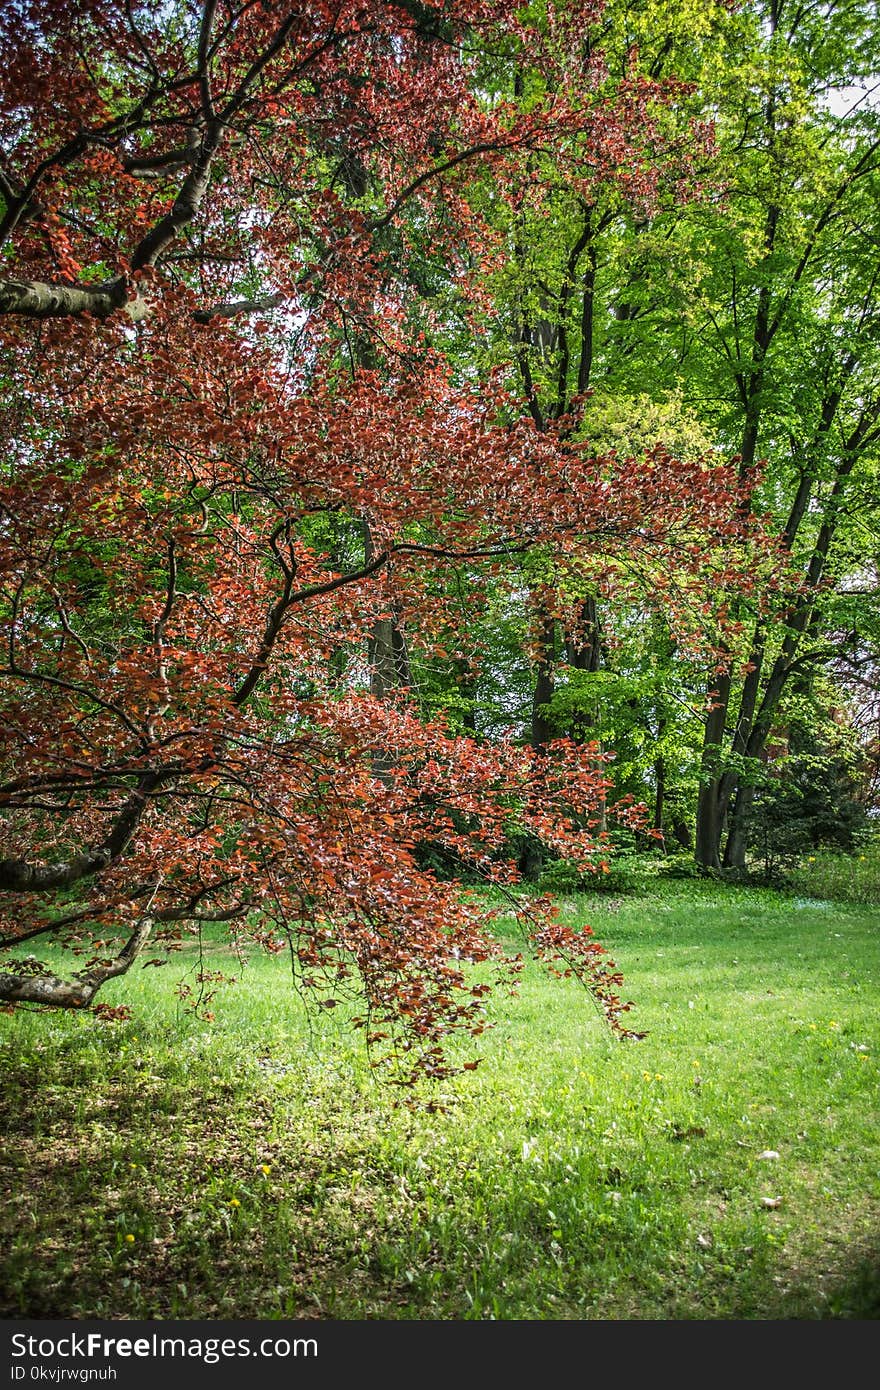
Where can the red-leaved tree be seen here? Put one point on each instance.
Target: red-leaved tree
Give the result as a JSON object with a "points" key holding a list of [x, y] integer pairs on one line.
{"points": [[231, 451]]}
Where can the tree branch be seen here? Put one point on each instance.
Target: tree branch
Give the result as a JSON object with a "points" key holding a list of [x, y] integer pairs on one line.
{"points": [[233, 307], [274, 620], [79, 992], [185, 205], [21, 876], [37, 300]]}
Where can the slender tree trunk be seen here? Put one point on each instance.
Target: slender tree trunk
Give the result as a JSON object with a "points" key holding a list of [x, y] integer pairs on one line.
{"points": [[545, 683], [756, 719], [467, 685], [659, 782], [710, 809], [584, 651], [659, 792]]}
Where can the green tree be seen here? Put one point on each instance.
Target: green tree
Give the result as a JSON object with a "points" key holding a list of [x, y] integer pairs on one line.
{"points": [[755, 306]]}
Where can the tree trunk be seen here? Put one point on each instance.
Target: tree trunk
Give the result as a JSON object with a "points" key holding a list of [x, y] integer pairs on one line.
{"points": [[545, 683], [681, 832], [467, 684], [659, 783], [659, 793], [738, 834], [756, 719], [710, 806]]}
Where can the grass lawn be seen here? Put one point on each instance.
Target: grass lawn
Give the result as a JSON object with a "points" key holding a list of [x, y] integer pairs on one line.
{"points": [[168, 1168]]}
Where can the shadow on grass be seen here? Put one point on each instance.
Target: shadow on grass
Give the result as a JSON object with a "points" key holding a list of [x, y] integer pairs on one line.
{"points": [[851, 1292], [126, 1199]]}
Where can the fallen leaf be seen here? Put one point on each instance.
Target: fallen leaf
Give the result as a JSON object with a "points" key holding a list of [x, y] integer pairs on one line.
{"points": [[771, 1203]]}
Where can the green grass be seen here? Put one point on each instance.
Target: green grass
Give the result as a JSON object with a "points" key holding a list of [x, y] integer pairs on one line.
{"points": [[570, 1177]]}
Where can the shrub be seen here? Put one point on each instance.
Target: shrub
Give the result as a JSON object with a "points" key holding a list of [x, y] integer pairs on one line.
{"points": [[847, 877]]}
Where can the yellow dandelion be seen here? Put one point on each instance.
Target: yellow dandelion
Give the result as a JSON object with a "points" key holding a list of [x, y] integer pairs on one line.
{"points": [[235, 1202], [266, 1168], [129, 1240]]}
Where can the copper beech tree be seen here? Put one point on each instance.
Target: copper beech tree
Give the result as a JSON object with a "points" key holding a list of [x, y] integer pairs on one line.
{"points": [[231, 448]]}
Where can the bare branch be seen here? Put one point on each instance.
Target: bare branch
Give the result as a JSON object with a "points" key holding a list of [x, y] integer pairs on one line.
{"points": [[233, 307]]}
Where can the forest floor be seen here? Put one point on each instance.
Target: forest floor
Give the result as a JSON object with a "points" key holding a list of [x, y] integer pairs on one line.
{"points": [[725, 1167]]}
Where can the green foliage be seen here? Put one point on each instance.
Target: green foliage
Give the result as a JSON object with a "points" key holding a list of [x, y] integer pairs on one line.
{"points": [[681, 867], [562, 877], [633, 424], [624, 872], [660, 312], [807, 798], [809, 803]]}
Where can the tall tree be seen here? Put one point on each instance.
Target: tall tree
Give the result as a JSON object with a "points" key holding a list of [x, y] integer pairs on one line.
{"points": [[575, 284], [788, 313], [753, 303], [213, 495]]}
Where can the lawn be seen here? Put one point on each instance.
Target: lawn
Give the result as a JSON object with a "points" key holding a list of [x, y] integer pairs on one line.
{"points": [[728, 1166]]}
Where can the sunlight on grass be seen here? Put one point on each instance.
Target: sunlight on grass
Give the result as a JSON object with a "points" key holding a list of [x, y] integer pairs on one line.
{"points": [[725, 1167]]}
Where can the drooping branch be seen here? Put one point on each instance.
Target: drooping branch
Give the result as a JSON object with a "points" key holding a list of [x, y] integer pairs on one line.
{"points": [[445, 167], [79, 992]]}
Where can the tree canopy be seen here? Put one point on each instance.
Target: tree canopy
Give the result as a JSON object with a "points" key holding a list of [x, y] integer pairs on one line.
{"points": [[301, 310]]}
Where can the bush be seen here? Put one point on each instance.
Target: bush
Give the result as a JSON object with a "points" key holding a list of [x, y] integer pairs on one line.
{"points": [[848, 877], [806, 806], [681, 866], [625, 874], [562, 877]]}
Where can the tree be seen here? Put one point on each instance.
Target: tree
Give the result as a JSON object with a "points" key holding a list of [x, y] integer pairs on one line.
{"points": [[755, 308], [772, 324], [233, 452], [575, 285]]}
